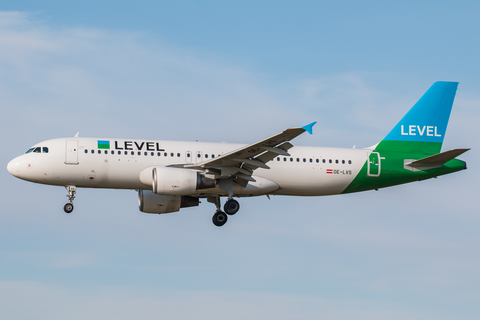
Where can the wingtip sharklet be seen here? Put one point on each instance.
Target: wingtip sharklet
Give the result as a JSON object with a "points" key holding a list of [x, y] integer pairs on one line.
{"points": [[309, 127]]}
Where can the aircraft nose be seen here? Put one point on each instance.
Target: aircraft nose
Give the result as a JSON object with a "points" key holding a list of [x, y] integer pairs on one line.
{"points": [[13, 167]]}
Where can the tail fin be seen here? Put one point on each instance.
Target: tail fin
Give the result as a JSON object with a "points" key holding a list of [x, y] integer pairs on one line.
{"points": [[423, 128]]}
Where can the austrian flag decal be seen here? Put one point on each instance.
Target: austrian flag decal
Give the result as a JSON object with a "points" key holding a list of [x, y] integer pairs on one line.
{"points": [[330, 171]]}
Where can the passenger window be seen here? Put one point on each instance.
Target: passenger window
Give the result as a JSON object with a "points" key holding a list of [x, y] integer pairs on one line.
{"points": [[336, 161], [349, 161], [291, 159], [171, 154], [178, 155], [317, 160], [188, 155], [119, 152], [311, 160], [139, 153], [330, 161], [298, 160], [158, 154], [37, 150], [323, 160], [86, 151], [145, 153], [152, 153], [284, 159], [45, 150], [198, 155], [92, 152], [213, 156], [106, 151], [343, 161], [112, 152], [206, 155], [304, 160], [99, 151], [126, 152], [29, 150], [132, 153]]}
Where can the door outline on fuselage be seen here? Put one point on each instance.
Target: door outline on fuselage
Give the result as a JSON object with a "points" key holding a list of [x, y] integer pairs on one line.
{"points": [[71, 152], [374, 164]]}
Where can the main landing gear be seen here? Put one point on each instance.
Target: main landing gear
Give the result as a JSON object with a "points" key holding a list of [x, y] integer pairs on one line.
{"points": [[231, 207], [68, 207]]}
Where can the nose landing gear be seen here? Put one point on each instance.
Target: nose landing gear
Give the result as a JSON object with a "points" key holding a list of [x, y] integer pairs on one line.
{"points": [[68, 207]]}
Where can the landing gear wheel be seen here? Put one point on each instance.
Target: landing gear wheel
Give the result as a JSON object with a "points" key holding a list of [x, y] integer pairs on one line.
{"points": [[219, 218], [68, 207], [231, 207]]}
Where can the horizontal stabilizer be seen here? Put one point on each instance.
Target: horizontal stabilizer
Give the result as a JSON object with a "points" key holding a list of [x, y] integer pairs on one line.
{"points": [[434, 161]]}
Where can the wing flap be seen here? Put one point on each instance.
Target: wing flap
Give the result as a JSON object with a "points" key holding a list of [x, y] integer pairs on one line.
{"points": [[252, 163]]}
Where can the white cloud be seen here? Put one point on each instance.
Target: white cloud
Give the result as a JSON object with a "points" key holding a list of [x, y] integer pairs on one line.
{"points": [[106, 83]]}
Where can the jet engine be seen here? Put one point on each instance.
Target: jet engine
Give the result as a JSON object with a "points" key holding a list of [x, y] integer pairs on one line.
{"points": [[171, 181], [150, 202]]}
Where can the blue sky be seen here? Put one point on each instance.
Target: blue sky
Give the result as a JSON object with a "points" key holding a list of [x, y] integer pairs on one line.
{"points": [[237, 72]]}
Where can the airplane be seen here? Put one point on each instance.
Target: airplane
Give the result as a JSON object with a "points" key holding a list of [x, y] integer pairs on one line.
{"points": [[170, 175]]}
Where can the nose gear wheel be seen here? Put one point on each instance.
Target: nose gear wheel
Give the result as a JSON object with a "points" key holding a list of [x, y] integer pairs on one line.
{"points": [[68, 207]]}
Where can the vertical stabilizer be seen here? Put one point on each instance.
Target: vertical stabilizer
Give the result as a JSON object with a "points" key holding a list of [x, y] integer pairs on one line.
{"points": [[423, 128]]}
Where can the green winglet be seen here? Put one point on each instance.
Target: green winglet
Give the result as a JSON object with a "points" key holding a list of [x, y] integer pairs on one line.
{"points": [[309, 127]]}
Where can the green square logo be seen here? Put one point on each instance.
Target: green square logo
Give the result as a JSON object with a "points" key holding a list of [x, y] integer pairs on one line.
{"points": [[103, 144]]}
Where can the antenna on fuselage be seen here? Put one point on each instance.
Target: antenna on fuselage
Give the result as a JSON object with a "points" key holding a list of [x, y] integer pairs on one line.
{"points": [[76, 136]]}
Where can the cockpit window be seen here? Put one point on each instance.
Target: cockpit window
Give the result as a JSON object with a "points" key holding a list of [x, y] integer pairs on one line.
{"points": [[37, 150]]}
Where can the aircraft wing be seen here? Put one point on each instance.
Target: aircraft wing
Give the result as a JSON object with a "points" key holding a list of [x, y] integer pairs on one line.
{"points": [[242, 162]]}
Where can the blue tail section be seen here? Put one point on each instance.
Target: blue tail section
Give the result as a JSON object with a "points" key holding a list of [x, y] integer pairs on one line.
{"points": [[422, 129], [427, 120]]}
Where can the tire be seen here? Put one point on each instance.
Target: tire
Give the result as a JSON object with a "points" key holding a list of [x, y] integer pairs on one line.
{"points": [[219, 218], [68, 207], [231, 207]]}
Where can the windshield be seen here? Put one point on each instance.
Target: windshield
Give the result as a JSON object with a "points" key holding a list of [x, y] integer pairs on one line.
{"points": [[38, 150]]}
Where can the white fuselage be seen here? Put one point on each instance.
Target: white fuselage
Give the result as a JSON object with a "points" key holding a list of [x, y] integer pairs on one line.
{"points": [[82, 162]]}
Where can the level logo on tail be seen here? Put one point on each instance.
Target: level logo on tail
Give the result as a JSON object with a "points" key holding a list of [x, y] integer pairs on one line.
{"points": [[423, 128]]}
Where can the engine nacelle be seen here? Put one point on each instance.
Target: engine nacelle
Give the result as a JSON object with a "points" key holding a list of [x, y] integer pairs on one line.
{"points": [[175, 181], [150, 202]]}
